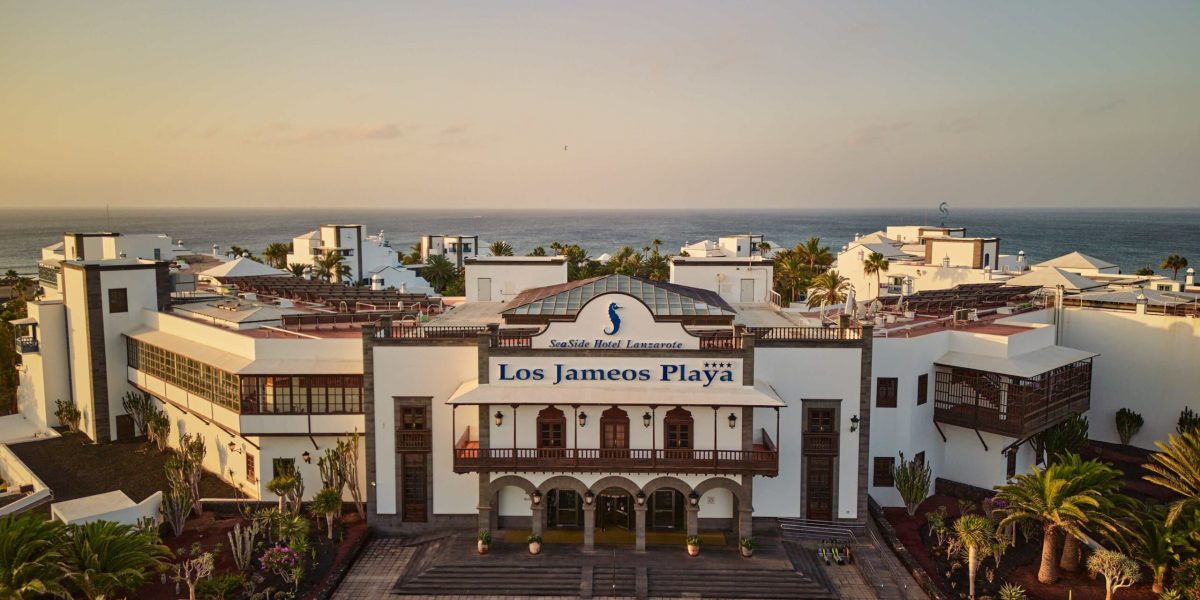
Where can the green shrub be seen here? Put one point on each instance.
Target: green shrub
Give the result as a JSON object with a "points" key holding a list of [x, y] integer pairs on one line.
{"points": [[912, 479], [1128, 424], [68, 414], [219, 587]]}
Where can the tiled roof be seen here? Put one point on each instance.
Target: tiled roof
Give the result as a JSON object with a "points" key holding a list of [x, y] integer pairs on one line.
{"points": [[663, 299]]}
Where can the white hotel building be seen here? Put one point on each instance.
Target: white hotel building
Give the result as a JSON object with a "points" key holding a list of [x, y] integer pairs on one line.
{"points": [[610, 402]]}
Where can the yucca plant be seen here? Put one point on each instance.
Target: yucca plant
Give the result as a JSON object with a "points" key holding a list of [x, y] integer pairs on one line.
{"points": [[327, 503], [1157, 545], [912, 479], [103, 558], [30, 563], [1128, 424], [975, 533]]}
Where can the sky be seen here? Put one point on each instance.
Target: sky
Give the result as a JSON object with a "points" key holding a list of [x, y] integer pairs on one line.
{"points": [[618, 105]]}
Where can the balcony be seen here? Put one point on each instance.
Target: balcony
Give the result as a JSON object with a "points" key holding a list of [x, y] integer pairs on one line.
{"points": [[413, 440], [27, 345], [1016, 407], [820, 444], [469, 458]]}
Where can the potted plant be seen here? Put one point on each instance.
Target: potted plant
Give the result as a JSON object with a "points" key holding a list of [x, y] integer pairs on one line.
{"points": [[535, 544], [693, 545], [747, 546], [485, 538]]}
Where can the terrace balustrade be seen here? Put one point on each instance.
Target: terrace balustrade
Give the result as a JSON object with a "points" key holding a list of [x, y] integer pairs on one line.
{"points": [[1011, 406]]}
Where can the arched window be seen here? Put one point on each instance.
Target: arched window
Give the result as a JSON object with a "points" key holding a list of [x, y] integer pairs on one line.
{"points": [[678, 432], [551, 423], [614, 429], [987, 259]]}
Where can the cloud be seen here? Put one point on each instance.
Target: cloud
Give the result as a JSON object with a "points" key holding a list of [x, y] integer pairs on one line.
{"points": [[873, 134], [285, 133]]}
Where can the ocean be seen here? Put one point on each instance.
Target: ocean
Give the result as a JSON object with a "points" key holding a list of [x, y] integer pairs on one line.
{"points": [[1128, 237]]}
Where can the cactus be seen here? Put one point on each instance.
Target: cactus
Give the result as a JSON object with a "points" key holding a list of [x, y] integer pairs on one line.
{"points": [[241, 542]]}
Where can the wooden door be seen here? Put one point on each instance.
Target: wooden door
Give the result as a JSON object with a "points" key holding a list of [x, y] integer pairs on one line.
{"points": [[414, 478], [614, 433], [818, 487], [747, 290]]}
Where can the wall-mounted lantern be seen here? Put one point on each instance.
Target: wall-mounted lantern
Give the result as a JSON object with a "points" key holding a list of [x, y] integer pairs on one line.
{"points": [[732, 420], [233, 449], [307, 457], [582, 420], [854, 423], [646, 418], [499, 418], [589, 498], [693, 498], [536, 496], [641, 498]]}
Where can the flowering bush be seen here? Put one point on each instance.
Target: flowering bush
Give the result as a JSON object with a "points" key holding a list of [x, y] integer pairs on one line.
{"points": [[284, 562]]}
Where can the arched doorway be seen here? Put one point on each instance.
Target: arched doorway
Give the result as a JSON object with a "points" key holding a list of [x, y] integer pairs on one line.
{"points": [[564, 508], [666, 508], [614, 510]]}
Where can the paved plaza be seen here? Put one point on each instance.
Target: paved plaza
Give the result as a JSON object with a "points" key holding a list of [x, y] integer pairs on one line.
{"points": [[444, 565]]}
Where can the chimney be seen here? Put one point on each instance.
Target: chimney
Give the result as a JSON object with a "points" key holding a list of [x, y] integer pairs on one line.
{"points": [[1021, 260], [1190, 279], [376, 282], [1141, 304], [216, 251]]}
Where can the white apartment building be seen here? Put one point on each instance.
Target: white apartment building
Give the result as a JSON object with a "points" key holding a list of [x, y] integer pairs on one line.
{"points": [[455, 248], [367, 259]]}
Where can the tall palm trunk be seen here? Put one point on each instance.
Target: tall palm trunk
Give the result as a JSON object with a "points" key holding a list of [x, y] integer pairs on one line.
{"points": [[1070, 553], [329, 523], [1048, 571], [1160, 573]]}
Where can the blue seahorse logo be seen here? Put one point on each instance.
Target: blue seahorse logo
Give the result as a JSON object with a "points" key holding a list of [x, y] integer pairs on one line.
{"points": [[616, 320]]}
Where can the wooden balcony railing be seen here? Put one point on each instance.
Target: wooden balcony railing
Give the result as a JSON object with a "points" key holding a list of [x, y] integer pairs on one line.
{"points": [[805, 333], [413, 440], [603, 460], [1011, 406], [820, 444]]}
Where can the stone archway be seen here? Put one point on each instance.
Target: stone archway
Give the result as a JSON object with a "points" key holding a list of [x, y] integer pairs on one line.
{"points": [[489, 502], [691, 521], [743, 502], [615, 481]]}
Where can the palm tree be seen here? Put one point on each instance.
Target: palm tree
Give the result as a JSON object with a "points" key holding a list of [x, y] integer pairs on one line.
{"points": [[1157, 545], [439, 272], [657, 243], [791, 274], [1103, 519], [22, 287], [500, 249], [30, 564], [975, 533], [276, 254], [1048, 498], [764, 248], [539, 251], [1176, 467], [1174, 262], [414, 255], [327, 503], [814, 253], [827, 288], [297, 269], [103, 557], [330, 266], [876, 265]]}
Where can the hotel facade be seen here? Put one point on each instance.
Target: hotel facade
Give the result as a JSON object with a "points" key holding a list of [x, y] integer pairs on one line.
{"points": [[613, 402]]}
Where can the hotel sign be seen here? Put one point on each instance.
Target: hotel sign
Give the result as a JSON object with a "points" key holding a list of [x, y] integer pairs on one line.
{"points": [[584, 371]]}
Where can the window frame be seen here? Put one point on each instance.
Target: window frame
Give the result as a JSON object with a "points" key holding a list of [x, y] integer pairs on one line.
{"points": [[893, 387], [118, 300], [547, 419], [881, 475], [922, 389], [679, 423]]}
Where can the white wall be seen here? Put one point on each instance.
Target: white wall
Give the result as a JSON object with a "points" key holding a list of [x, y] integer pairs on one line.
{"points": [[17, 474], [45, 374], [435, 371], [1147, 363], [694, 273], [509, 279], [808, 374], [141, 293]]}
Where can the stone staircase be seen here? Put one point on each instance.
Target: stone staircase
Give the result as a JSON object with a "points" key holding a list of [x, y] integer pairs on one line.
{"points": [[493, 580], [735, 583]]}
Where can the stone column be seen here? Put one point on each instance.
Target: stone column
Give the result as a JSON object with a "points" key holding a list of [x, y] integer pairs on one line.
{"points": [[485, 507], [639, 511], [589, 528], [693, 519], [537, 518], [745, 523]]}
